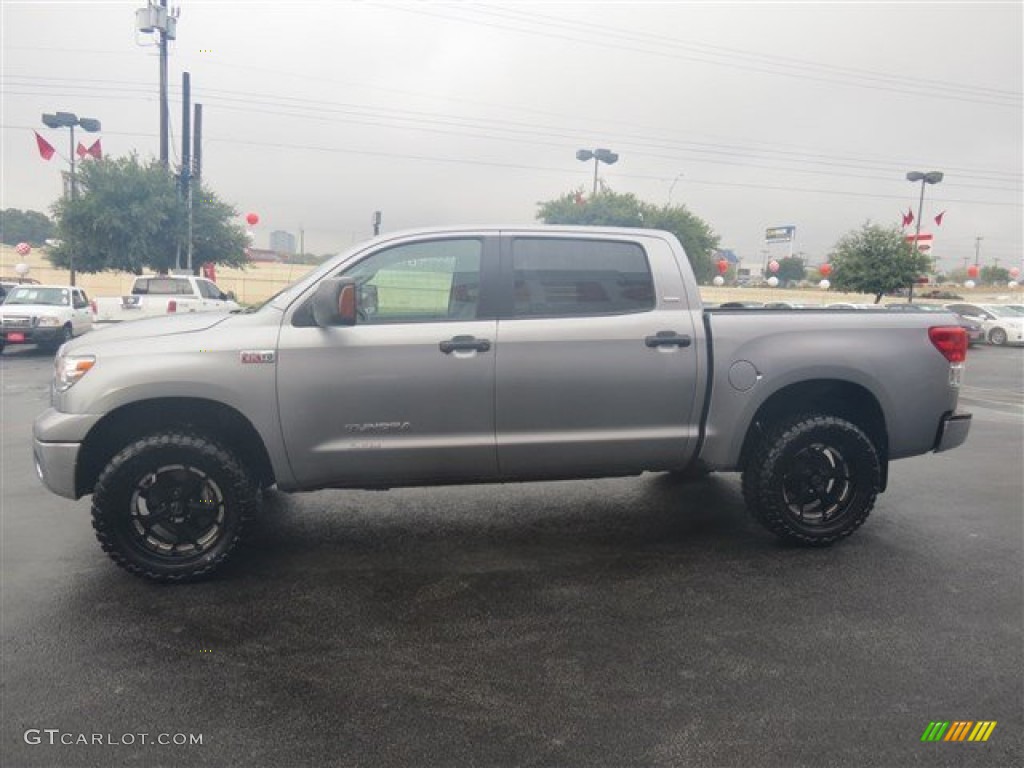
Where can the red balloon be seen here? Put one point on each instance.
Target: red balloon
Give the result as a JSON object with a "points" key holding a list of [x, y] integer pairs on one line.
{"points": [[723, 266], [773, 266], [1014, 273], [253, 219], [825, 269], [23, 249], [972, 271]]}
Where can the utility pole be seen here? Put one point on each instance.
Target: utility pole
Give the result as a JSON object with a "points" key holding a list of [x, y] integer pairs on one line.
{"points": [[164, 111], [157, 18], [186, 161], [376, 223], [977, 250], [197, 144], [302, 241]]}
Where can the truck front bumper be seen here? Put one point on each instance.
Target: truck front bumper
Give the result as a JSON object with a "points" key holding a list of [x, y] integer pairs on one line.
{"points": [[48, 335], [55, 465], [56, 442], [953, 431]]}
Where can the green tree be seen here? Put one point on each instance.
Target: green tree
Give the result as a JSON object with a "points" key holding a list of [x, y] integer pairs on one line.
{"points": [[128, 217], [994, 276], [614, 209], [875, 260], [791, 269], [30, 227]]}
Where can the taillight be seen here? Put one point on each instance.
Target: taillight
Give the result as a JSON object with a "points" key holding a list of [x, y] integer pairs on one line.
{"points": [[172, 306], [951, 341], [92, 306]]}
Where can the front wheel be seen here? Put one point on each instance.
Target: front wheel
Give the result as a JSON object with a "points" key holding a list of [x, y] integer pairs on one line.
{"points": [[171, 506], [997, 337], [66, 335], [812, 479]]}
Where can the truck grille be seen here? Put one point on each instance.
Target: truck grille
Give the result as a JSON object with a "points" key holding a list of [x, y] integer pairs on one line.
{"points": [[17, 321]]}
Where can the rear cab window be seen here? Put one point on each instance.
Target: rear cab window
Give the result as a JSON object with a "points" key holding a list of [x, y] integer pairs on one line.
{"points": [[162, 286], [566, 277]]}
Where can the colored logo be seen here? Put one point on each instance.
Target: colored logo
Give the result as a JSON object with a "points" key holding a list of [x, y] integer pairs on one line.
{"points": [[958, 730]]}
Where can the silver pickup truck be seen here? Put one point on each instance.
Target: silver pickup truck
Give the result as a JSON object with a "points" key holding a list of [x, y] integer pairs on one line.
{"points": [[489, 355]]}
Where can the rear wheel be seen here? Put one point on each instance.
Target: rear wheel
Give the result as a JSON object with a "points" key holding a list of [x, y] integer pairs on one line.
{"points": [[171, 507], [812, 479], [997, 337]]}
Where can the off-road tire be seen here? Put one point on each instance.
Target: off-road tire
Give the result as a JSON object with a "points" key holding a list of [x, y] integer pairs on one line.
{"points": [[997, 337], [171, 506], [812, 479]]}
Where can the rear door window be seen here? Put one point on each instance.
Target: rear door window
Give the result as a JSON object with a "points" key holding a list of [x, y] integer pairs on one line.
{"points": [[565, 277]]}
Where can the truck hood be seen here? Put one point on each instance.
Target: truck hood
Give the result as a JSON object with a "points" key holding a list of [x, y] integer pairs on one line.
{"points": [[30, 309], [155, 326]]}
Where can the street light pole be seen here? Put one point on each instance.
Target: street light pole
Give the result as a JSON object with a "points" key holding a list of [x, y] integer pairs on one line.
{"points": [[977, 250], [932, 177], [599, 156], [673, 186], [70, 120]]}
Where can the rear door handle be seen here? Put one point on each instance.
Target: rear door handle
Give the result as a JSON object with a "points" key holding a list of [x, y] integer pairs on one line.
{"points": [[458, 343], [667, 339]]}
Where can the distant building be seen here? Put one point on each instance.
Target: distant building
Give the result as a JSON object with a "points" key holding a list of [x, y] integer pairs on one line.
{"points": [[282, 242]]}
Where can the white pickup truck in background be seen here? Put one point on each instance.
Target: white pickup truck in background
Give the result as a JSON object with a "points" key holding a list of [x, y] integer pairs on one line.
{"points": [[156, 295], [44, 315]]}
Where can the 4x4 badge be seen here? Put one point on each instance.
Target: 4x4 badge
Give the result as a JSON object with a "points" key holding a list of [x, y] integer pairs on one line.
{"points": [[257, 356]]}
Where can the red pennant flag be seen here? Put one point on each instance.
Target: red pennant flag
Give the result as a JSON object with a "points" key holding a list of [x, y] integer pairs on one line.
{"points": [[45, 149], [96, 150], [908, 219], [81, 151], [938, 219]]}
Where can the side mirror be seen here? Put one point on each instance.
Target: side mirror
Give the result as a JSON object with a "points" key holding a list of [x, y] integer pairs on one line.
{"points": [[334, 302], [230, 296]]}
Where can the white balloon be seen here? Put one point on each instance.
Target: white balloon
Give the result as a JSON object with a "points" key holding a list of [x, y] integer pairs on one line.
{"points": [[773, 281], [250, 235], [719, 280], [22, 268], [969, 284], [1012, 284], [824, 285]]}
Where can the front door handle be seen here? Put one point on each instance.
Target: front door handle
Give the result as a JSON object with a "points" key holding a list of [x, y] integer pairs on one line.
{"points": [[667, 339], [458, 343]]}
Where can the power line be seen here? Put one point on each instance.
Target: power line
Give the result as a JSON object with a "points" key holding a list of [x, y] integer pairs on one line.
{"points": [[1009, 100], [514, 131]]}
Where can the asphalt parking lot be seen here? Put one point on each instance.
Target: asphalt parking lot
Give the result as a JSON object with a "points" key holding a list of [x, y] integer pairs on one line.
{"points": [[627, 622]]}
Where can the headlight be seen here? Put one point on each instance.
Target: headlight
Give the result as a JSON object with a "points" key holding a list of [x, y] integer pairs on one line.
{"points": [[70, 368], [48, 322]]}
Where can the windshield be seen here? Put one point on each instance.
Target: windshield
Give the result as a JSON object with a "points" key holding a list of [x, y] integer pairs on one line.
{"points": [[56, 297], [1000, 311]]}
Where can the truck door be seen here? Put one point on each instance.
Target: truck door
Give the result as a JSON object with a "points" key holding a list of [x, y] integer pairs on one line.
{"points": [[81, 320], [598, 367], [406, 395]]}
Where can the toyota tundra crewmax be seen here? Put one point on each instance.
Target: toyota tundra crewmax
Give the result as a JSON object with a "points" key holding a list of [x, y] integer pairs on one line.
{"points": [[484, 355]]}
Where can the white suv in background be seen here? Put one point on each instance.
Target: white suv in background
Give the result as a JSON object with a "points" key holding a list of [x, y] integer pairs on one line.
{"points": [[47, 315]]}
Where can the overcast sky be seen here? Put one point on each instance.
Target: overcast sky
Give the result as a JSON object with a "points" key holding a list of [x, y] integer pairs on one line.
{"points": [[754, 115]]}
